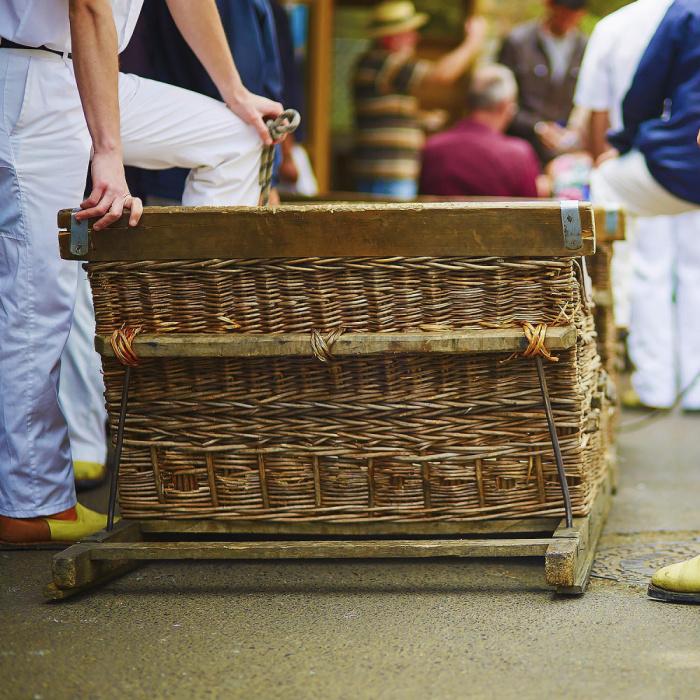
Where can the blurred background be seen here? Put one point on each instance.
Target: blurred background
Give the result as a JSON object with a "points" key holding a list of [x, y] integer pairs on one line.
{"points": [[329, 35]]}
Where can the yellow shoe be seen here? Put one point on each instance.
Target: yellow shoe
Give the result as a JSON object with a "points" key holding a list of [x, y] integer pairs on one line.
{"points": [[88, 475], [66, 527], [630, 399], [678, 583]]}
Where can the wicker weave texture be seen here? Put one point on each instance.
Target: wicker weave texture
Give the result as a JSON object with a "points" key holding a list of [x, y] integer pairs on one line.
{"points": [[400, 438], [362, 294]]}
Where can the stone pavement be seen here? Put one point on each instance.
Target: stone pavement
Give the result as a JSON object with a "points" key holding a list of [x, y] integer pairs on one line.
{"points": [[437, 628]]}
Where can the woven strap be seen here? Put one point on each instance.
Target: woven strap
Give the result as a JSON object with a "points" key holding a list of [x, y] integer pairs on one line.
{"points": [[277, 131], [322, 346], [121, 344], [536, 336]]}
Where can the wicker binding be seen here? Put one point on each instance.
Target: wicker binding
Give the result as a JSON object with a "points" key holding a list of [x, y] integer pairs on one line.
{"points": [[400, 438]]}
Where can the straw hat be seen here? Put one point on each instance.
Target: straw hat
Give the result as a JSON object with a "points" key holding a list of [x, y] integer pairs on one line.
{"points": [[394, 17]]}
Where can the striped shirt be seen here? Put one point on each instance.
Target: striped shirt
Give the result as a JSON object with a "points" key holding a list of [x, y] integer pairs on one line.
{"points": [[389, 138]]}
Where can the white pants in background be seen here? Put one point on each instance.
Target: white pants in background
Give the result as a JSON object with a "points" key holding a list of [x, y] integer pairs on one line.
{"points": [[44, 156], [626, 181], [664, 338]]}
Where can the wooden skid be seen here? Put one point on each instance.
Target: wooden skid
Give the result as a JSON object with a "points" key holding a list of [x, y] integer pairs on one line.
{"points": [[299, 344], [472, 229], [568, 553]]}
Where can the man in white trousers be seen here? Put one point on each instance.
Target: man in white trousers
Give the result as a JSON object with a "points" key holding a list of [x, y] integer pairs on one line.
{"points": [[56, 107], [661, 258]]}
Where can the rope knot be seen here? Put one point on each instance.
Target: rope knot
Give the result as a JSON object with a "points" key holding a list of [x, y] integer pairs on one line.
{"points": [[277, 130], [536, 336], [322, 346], [121, 344]]}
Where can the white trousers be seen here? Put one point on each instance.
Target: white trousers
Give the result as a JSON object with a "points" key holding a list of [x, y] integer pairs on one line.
{"points": [[664, 337], [44, 156], [626, 181]]}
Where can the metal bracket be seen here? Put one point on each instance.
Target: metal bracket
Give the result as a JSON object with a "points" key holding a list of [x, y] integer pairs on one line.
{"points": [[571, 224], [611, 218], [78, 234]]}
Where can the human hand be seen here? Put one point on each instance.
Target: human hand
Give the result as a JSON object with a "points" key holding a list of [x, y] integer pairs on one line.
{"points": [[253, 109], [433, 119], [607, 155], [475, 29], [698, 138], [110, 193], [557, 139]]}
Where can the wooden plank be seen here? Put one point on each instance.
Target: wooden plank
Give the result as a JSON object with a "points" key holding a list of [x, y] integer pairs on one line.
{"points": [[340, 529], [74, 570], [322, 549], [506, 340], [591, 528], [610, 224], [560, 561], [338, 230]]}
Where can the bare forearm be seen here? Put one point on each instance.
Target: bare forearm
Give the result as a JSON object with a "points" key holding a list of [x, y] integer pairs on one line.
{"points": [[452, 66], [95, 59], [599, 125], [203, 32]]}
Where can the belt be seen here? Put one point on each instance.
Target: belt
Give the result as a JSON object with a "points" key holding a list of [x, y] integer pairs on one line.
{"points": [[7, 44]]}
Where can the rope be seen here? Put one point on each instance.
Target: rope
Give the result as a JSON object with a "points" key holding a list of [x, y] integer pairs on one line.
{"points": [[121, 344], [322, 346], [277, 131]]}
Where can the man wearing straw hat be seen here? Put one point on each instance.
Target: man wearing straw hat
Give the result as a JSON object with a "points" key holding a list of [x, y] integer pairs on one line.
{"points": [[389, 136]]}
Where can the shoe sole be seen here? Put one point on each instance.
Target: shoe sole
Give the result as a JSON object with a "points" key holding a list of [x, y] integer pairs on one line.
{"points": [[671, 596], [87, 484]]}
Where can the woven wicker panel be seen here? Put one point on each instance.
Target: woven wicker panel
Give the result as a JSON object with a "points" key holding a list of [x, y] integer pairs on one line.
{"points": [[598, 267], [400, 438], [363, 294]]}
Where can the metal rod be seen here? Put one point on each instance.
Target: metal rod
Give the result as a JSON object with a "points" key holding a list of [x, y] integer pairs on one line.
{"points": [[555, 441], [118, 450]]}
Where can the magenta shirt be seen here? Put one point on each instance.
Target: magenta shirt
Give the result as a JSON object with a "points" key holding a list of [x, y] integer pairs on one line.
{"points": [[471, 159]]}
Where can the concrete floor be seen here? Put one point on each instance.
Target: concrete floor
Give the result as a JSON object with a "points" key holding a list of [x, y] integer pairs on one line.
{"points": [[435, 628]]}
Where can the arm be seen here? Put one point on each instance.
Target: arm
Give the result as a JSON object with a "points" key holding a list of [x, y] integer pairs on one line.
{"points": [[452, 65], [94, 46], [204, 34], [598, 134]]}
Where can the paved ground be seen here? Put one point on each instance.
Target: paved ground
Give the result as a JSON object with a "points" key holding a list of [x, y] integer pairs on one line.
{"points": [[379, 629]]}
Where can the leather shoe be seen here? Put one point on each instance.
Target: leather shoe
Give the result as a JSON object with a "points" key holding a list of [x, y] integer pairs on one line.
{"points": [[678, 583], [66, 527]]}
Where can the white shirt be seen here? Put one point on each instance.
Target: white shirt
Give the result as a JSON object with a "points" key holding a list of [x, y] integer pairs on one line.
{"points": [[45, 22], [559, 50], [613, 53]]}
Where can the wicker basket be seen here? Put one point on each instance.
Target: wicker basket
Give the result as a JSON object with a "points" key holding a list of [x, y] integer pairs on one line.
{"points": [[401, 437]]}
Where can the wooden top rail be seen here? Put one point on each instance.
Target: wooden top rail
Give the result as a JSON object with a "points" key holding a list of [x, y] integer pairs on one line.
{"points": [[609, 221], [449, 229], [505, 340]]}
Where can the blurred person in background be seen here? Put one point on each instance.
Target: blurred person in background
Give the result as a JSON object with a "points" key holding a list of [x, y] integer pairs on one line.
{"points": [[474, 157], [655, 271], [545, 56], [389, 133]]}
